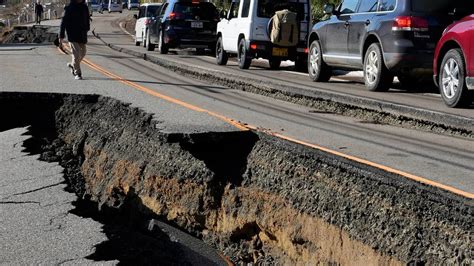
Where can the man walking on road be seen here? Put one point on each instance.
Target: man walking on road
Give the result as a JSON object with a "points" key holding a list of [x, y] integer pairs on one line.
{"points": [[76, 24], [39, 12]]}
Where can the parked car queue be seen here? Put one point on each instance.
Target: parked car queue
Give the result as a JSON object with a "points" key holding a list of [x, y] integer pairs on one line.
{"points": [[411, 39]]}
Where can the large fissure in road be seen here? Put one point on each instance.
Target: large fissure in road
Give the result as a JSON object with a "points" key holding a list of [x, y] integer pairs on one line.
{"points": [[254, 197]]}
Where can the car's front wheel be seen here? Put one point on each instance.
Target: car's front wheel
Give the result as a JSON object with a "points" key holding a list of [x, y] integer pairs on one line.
{"points": [[317, 69], [452, 82], [376, 75], [221, 55], [243, 55]]}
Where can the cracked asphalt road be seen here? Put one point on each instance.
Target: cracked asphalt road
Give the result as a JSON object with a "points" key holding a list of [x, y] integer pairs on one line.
{"points": [[35, 224]]}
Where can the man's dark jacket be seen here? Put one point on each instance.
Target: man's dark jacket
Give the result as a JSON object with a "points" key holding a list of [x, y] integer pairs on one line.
{"points": [[75, 22], [38, 9]]}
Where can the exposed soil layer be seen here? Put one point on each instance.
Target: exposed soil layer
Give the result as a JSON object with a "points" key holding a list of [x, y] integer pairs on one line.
{"points": [[256, 198]]}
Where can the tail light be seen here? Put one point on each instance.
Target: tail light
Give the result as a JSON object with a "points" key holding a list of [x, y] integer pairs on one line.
{"points": [[409, 23], [148, 21], [174, 16]]}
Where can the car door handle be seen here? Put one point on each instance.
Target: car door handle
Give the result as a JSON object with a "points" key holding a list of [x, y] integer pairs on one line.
{"points": [[367, 22]]}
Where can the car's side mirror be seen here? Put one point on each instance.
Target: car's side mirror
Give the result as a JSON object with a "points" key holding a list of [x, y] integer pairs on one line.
{"points": [[135, 16], [223, 14], [328, 9]]}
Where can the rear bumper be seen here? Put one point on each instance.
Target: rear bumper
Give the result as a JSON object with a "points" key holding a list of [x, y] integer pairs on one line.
{"points": [[175, 39], [420, 61], [264, 49]]}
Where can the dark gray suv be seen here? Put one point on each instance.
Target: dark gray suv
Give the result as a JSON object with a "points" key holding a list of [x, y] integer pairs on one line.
{"points": [[384, 38]]}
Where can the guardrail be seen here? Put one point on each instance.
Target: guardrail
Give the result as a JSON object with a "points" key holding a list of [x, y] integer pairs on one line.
{"points": [[30, 17]]}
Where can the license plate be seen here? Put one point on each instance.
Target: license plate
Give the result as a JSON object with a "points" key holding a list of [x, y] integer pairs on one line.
{"points": [[196, 24], [280, 51]]}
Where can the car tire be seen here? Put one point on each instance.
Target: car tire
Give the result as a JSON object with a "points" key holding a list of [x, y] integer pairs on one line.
{"points": [[149, 46], [317, 68], [376, 75], [243, 56], [144, 38], [274, 63], [453, 96], [221, 54], [162, 47]]}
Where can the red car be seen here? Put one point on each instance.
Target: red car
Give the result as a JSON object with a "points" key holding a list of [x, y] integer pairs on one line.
{"points": [[454, 63]]}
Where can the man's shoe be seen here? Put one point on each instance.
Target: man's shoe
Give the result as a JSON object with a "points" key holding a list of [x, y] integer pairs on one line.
{"points": [[71, 68], [78, 77]]}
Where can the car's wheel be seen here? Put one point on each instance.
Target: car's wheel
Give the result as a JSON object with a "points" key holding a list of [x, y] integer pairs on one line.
{"points": [[376, 75], [452, 82], [274, 63], [162, 47], [137, 43], [317, 68], [144, 34], [221, 55], [149, 46], [243, 55]]}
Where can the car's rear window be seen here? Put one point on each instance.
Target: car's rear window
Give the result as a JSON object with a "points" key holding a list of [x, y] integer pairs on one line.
{"points": [[203, 10], [267, 8], [443, 6]]}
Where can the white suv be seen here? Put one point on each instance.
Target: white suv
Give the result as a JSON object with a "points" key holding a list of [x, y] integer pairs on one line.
{"points": [[146, 12], [245, 30]]}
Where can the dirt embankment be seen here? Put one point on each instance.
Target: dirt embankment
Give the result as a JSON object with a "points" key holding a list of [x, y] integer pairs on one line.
{"points": [[256, 198]]}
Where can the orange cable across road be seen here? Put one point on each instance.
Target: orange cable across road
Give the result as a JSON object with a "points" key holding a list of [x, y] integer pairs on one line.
{"points": [[246, 127]]}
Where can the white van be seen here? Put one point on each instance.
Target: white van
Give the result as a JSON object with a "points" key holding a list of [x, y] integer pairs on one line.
{"points": [[246, 29], [115, 6], [146, 13]]}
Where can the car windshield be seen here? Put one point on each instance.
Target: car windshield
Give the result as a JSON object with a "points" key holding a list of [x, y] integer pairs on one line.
{"points": [[443, 6], [152, 11], [134, 1], [267, 8], [202, 10]]}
